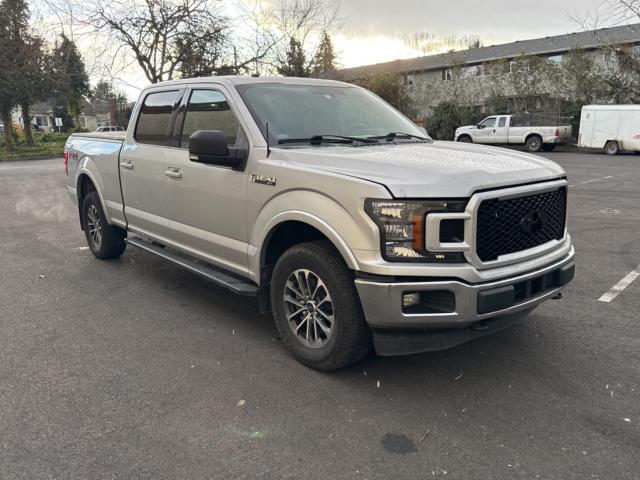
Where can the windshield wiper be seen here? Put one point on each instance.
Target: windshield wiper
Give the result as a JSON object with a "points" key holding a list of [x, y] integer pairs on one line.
{"points": [[389, 137], [320, 139]]}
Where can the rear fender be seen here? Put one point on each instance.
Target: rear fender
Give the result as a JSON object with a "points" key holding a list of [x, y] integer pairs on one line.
{"points": [[88, 168]]}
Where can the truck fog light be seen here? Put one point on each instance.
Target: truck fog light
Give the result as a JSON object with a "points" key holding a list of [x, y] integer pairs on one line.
{"points": [[410, 300]]}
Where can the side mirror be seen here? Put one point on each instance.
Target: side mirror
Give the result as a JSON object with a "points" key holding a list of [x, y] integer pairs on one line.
{"points": [[210, 147], [480, 126]]}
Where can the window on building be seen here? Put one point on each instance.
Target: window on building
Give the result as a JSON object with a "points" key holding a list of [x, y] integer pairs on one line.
{"points": [[557, 59], [41, 120], [209, 110], [472, 71], [447, 74], [155, 117]]}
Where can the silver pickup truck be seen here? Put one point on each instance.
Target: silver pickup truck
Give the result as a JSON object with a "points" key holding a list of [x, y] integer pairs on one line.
{"points": [[537, 132], [331, 208]]}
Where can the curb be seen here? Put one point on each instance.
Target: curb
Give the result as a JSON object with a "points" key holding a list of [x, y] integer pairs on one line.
{"points": [[29, 158]]}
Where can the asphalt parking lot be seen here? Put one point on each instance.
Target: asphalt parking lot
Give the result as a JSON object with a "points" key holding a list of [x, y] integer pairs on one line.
{"points": [[137, 369]]}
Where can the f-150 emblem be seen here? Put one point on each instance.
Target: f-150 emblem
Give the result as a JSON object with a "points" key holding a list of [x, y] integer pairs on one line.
{"points": [[263, 180], [533, 222]]}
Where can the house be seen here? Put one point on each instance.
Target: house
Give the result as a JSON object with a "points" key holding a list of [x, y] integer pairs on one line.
{"points": [[95, 113], [426, 77]]}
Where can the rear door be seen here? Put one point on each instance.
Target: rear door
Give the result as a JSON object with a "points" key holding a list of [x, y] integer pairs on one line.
{"points": [[502, 130], [142, 163], [207, 203]]}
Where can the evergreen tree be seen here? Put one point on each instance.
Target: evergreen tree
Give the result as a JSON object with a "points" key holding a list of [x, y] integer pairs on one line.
{"points": [[295, 64], [325, 58], [14, 16], [71, 82], [34, 80]]}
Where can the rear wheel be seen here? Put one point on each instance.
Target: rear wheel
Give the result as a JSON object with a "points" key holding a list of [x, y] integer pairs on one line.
{"points": [[534, 143], [105, 241], [612, 148], [316, 307]]}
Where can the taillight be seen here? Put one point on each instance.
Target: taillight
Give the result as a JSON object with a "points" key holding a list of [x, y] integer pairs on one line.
{"points": [[66, 162], [557, 132]]}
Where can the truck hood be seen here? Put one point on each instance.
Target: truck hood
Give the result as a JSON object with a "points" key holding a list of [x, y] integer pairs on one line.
{"points": [[436, 170], [466, 128]]}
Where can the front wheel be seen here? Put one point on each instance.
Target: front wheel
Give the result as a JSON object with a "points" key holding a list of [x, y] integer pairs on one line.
{"points": [[316, 307], [105, 241], [465, 139]]}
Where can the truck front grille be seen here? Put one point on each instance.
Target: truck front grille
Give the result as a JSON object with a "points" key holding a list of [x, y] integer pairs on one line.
{"points": [[517, 224]]}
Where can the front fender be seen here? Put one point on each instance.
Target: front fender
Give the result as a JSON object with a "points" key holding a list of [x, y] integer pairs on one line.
{"points": [[344, 229]]}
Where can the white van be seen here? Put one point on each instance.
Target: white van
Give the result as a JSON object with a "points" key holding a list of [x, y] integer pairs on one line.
{"points": [[614, 128]]}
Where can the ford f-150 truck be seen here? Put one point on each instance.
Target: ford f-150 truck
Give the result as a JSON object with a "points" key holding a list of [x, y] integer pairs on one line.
{"points": [[536, 131], [331, 208]]}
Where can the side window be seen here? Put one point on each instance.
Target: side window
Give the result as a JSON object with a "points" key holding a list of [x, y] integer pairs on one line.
{"points": [[489, 122], [209, 110], [503, 122], [155, 116]]}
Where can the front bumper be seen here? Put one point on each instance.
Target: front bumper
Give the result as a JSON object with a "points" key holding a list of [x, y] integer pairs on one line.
{"points": [[382, 300]]}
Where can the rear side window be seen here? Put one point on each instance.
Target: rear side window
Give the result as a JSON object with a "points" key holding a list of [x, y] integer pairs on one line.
{"points": [[155, 117], [209, 110], [502, 122]]}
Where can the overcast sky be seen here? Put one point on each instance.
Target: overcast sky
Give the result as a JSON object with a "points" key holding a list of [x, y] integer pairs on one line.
{"points": [[373, 24]]}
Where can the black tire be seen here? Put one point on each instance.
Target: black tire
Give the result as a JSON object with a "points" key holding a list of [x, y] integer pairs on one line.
{"points": [[534, 143], [105, 241], [465, 139], [350, 338], [612, 148], [549, 148]]}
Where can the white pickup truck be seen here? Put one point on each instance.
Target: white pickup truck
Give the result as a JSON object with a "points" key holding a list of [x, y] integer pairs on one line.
{"points": [[532, 130], [331, 208]]}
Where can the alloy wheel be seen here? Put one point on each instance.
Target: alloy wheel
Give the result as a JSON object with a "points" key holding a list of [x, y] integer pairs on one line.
{"points": [[309, 308], [94, 226]]}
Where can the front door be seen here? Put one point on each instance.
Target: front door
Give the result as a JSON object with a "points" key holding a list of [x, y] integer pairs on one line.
{"points": [[207, 203], [142, 164], [487, 131]]}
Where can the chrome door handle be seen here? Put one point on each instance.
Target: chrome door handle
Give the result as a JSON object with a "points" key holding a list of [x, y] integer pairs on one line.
{"points": [[173, 173], [127, 165]]}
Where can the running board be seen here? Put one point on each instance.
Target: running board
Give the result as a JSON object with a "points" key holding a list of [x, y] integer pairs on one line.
{"points": [[217, 276]]}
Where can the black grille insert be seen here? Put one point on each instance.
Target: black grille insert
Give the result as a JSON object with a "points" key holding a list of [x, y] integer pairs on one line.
{"points": [[517, 224]]}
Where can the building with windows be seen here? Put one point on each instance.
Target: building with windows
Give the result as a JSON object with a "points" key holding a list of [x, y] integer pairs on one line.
{"points": [[463, 76]]}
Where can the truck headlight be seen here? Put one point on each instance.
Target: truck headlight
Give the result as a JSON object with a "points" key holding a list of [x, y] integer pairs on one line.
{"points": [[402, 228]]}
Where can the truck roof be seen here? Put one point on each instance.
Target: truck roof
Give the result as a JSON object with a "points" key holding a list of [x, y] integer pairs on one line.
{"points": [[243, 80], [611, 107]]}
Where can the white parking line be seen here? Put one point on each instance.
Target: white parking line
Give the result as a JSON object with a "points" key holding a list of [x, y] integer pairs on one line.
{"points": [[619, 287], [592, 181]]}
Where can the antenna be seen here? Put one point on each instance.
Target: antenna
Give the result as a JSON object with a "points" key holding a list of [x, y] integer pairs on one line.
{"points": [[268, 146]]}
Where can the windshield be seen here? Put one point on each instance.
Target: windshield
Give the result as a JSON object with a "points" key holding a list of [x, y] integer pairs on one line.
{"points": [[306, 111]]}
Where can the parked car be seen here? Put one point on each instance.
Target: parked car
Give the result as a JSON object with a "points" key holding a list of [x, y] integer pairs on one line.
{"points": [[612, 128], [105, 129], [537, 132], [331, 208], [1, 128]]}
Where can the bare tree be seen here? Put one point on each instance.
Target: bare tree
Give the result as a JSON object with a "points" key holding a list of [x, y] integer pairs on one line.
{"points": [[428, 43]]}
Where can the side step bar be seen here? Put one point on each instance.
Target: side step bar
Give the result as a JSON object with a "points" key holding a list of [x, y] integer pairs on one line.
{"points": [[217, 276]]}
